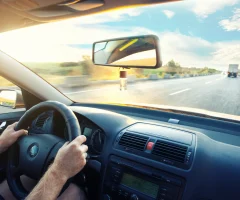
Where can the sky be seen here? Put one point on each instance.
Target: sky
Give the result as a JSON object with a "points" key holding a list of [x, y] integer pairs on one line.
{"points": [[194, 33]]}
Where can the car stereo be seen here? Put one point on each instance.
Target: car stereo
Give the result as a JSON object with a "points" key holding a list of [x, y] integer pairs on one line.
{"points": [[128, 180]]}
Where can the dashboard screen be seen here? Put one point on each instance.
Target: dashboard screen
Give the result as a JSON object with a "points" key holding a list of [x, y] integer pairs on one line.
{"points": [[140, 185], [87, 132]]}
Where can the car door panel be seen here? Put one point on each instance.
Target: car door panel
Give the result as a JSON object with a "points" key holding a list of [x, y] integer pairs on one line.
{"points": [[10, 118]]}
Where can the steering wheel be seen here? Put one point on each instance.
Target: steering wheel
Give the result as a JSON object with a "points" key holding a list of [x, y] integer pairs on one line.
{"points": [[32, 154]]}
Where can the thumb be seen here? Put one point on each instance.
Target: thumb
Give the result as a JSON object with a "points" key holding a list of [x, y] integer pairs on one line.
{"points": [[20, 133]]}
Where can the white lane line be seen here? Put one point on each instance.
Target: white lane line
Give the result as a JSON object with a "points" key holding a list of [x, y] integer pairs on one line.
{"points": [[208, 82], [180, 91], [82, 91]]}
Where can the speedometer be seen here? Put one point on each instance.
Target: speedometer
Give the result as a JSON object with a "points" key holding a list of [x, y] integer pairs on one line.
{"points": [[97, 140]]}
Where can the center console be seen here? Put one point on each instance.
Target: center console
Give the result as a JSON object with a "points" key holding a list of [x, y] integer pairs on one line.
{"points": [[128, 180]]}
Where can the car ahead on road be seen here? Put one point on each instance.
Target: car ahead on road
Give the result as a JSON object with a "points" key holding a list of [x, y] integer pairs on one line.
{"points": [[233, 70], [153, 139]]}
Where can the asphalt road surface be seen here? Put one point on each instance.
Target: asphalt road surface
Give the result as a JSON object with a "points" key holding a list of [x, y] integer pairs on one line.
{"points": [[216, 93]]}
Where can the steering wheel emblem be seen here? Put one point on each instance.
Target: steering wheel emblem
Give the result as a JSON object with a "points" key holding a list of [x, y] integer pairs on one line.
{"points": [[33, 150]]}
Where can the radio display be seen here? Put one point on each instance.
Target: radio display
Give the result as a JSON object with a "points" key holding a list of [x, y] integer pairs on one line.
{"points": [[140, 185]]}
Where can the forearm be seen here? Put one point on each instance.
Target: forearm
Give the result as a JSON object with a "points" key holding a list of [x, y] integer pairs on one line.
{"points": [[48, 187]]}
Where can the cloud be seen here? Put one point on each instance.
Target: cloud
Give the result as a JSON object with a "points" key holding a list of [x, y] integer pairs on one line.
{"points": [[233, 23], [227, 52], [192, 51], [204, 8], [168, 13]]}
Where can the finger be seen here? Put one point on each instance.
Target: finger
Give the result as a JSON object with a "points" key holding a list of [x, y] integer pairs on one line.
{"points": [[80, 139], [83, 148], [85, 155], [20, 133], [12, 126]]}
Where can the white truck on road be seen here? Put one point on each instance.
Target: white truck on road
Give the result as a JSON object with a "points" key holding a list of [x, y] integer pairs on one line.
{"points": [[233, 70]]}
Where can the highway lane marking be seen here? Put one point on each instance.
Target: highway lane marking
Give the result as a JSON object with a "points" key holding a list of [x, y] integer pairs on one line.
{"points": [[180, 91]]}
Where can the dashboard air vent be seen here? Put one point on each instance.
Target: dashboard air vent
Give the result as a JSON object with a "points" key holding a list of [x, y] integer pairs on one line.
{"points": [[133, 141], [41, 120], [170, 151]]}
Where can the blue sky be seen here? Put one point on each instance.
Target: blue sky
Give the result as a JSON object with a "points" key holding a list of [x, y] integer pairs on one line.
{"points": [[183, 20], [194, 33]]}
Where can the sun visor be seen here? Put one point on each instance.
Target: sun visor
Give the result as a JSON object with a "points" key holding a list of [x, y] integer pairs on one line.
{"points": [[53, 8], [27, 5]]}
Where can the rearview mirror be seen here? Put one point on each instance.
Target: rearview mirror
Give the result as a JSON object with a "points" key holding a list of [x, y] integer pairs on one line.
{"points": [[128, 52], [11, 98]]}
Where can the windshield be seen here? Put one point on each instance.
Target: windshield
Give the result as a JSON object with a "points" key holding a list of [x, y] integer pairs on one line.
{"points": [[199, 44]]}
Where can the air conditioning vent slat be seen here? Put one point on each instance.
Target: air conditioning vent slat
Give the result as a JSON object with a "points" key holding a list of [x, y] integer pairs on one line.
{"points": [[41, 120], [170, 157], [174, 154], [133, 137], [175, 146], [170, 151], [135, 147], [133, 141], [136, 141]]}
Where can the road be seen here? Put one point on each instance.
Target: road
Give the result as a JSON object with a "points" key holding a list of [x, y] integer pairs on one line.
{"points": [[213, 93]]}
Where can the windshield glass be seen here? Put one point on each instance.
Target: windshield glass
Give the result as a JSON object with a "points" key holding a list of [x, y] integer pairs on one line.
{"points": [[199, 44]]}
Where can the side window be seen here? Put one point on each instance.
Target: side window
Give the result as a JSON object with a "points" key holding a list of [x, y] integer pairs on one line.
{"points": [[10, 97]]}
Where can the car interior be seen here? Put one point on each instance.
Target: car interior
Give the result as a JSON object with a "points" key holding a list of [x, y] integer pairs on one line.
{"points": [[135, 152]]}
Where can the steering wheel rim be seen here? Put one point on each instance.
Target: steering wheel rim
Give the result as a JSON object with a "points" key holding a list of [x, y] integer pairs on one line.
{"points": [[43, 146]]}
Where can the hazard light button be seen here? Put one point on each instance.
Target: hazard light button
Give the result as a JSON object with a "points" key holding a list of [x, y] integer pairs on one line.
{"points": [[150, 146]]}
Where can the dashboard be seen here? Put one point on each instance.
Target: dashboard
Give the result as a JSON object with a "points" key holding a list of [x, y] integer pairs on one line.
{"points": [[141, 154]]}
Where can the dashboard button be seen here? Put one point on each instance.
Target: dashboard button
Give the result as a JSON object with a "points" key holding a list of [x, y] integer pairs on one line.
{"points": [[163, 194], [164, 189], [134, 197], [150, 146], [172, 181], [116, 180], [115, 176], [126, 194], [166, 196]]}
